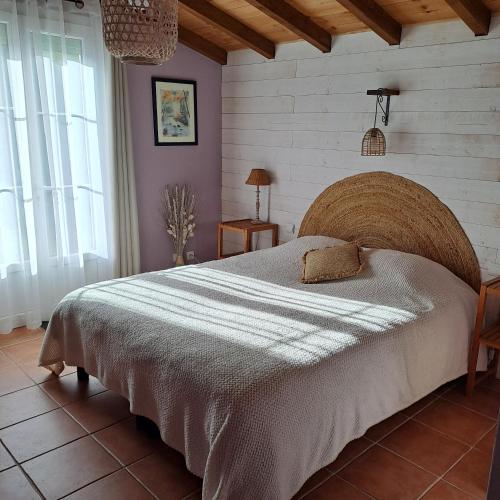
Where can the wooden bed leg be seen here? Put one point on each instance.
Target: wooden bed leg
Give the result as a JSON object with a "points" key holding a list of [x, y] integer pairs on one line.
{"points": [[146, 425], [81, 374], [495, 361], [475, 341]]}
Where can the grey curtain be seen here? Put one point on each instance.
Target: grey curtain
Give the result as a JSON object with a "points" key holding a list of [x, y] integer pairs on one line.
{"points": [[127, 230]]}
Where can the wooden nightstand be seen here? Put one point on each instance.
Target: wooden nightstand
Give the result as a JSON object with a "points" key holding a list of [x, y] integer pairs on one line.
{"points": [[246, 227], [489, 336]]}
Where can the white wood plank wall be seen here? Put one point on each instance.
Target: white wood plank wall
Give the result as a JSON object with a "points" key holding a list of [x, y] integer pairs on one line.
{"points": [[302, 117]]}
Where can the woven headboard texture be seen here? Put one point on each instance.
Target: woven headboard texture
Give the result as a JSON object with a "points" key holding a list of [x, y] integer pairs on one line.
{"points": [[383, 210]]}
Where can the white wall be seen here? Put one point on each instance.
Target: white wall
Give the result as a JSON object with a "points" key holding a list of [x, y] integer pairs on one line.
{"points": [[302, 117]]}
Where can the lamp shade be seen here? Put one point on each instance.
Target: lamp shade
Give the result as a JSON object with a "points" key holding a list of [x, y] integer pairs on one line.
{"points": [[373, 143], [140, 31], [258, 177]]}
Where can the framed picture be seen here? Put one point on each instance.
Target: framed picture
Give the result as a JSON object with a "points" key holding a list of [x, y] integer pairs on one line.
{"points": [[174, 112]]}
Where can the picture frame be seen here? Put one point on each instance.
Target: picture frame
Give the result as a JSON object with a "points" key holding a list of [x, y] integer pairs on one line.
{"points": [[174, 112]]}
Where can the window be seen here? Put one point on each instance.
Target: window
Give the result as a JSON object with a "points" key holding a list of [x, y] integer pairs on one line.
{"points": [[66, 151], [55, 189]]}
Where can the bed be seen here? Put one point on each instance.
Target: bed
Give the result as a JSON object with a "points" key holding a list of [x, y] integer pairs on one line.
{"points": [[260, 380]]}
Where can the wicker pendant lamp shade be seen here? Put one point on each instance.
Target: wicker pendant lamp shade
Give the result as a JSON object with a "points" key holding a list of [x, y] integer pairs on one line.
{"points": [[373, 143], [374, 140], [140, 31]]}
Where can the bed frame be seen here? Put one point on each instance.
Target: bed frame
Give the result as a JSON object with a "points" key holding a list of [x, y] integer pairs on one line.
{"points": [[383, 210], [81, 374]]}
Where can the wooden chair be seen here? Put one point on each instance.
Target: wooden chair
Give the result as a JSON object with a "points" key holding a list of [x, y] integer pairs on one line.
{"points": [[489, 336]]}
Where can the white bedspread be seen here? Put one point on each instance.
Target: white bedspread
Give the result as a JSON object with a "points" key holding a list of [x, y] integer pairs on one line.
{"points": [[258, 379]]}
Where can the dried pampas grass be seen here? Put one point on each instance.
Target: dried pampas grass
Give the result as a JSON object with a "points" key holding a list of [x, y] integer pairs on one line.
{"points": [[178, 205]]}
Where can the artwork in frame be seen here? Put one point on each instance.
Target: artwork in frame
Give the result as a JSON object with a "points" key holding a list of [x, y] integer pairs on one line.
{"points": [[174, 112]]}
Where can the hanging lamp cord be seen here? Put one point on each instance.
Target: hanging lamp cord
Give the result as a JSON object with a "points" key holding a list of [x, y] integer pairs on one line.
{"points": [[376, 111]]}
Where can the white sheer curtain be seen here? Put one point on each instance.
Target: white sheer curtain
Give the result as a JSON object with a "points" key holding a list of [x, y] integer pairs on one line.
{"points": [[56, 220]]}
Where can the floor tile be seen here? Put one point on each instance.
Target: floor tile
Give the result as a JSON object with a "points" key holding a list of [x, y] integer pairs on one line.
{"points": [[66, 469], [349, 453], [24, 404], [456, 421], [15, 486], [449, 385], [25, 355], [383, 428], [487, 442], [118, 486], [26, 352], [196, 495], [20, 335], [68, 389], [165, 474], [386, 476], [422, 445], [125, 442], [5, 360], [12, 378], [492, 383], [471, 474], [68, 370], [40, 434], [99, 411], [312, 482], [482, 400], [446, 491], [419, 405], [336, 489], [5, 459], [81, 463]]}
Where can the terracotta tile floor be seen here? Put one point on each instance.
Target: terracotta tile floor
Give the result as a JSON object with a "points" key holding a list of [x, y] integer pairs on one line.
{"points": [[60, 438]]}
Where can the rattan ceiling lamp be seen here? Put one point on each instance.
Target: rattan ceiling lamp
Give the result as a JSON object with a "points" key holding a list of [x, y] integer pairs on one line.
{"points": [[374, 140], [140, 31]]}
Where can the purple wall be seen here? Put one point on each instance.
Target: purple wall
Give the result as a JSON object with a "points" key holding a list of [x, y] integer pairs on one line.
{"points": [[198, 165]]}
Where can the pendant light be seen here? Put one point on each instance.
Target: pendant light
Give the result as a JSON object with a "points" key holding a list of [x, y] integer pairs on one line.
{"points": [[374, 140], [140, 31]]}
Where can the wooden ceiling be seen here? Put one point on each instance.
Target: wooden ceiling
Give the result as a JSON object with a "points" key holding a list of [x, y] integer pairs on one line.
{"points": [[214, 27]]}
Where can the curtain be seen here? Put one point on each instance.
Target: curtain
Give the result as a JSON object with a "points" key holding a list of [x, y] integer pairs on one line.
{"points": [[127, 231], [56, 197]]}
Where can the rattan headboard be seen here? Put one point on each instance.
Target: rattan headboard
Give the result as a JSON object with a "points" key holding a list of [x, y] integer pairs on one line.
{"points": [[382, 210]]}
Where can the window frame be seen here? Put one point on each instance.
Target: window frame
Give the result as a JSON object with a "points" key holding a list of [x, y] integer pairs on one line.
{"points": [[86, 35]]}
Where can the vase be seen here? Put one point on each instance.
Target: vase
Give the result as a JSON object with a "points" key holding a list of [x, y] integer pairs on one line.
{"points": [[179, 260]]}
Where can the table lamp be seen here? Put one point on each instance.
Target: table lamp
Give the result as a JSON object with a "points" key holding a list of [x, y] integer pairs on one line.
{"points": [[258, 177]]}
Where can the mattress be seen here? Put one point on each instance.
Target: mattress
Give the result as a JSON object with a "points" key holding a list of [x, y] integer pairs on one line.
{"points": [[261, 380]]}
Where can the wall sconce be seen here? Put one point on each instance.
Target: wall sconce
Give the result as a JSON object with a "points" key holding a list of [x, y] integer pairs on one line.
{"points": [[374, 140]]}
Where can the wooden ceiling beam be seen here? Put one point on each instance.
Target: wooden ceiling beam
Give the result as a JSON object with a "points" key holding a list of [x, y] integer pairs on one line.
{"points": [[474, 14], [231, 26], [375, 18], [287, 15], [202, 45]]}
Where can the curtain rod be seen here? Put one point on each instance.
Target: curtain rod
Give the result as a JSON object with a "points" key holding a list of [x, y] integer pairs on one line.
{"points": [[79, 4]]}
